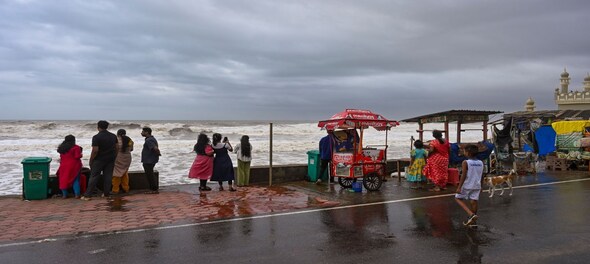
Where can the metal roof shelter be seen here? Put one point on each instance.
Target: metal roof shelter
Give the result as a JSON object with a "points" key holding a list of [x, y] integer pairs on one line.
{"points": [[546, 115], [459, 116], [519, 119]]}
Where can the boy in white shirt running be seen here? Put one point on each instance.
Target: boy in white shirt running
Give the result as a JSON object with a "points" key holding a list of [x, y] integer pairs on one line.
{"points": [[470, 184]]}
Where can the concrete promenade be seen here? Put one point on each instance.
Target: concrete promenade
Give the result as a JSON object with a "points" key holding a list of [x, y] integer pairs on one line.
{"points": [[22, 221]]}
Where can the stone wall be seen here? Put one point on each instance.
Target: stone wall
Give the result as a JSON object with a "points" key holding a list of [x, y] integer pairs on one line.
{"points": [[260, 174]]}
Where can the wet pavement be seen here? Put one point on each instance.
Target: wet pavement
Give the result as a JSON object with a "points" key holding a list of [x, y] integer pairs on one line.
{"points": [[301, 222], [545, 221], [37, 219]]}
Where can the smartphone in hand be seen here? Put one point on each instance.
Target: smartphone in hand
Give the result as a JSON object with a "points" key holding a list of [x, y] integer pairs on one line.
{"points": [[225, 139]]}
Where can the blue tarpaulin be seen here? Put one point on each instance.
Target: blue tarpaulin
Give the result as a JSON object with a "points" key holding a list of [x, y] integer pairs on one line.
{"points": [[545, 137], [457, 158]]}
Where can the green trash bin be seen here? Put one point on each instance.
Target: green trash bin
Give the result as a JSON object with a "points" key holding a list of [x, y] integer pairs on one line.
{"points": [[314, 166], [36, 177]]}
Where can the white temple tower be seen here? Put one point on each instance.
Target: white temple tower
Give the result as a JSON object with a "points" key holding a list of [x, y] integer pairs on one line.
{"points": [[571, 100], [564, 81], [530, 105]]}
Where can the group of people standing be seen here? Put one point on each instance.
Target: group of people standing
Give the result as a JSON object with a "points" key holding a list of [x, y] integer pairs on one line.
{"points": [[110, 159], [214, 163], [431, 164]]}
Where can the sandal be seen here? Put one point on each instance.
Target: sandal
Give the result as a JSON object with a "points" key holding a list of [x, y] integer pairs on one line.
{"points": [[435, 189], [152, 192], [232, 189], [220, 188]]}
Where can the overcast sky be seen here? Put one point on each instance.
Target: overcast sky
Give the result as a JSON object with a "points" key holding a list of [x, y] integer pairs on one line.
{"points": [[293, 60]]}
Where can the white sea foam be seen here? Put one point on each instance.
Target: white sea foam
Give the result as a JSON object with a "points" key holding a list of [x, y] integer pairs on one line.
{"points": [[291, 141]]}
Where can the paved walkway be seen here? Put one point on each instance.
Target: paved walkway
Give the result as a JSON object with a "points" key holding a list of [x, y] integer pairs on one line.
{"points": [[181, 204], [38, 219]]}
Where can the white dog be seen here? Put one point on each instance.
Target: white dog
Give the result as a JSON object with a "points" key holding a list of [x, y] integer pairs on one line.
{"points": [[493, 181]]}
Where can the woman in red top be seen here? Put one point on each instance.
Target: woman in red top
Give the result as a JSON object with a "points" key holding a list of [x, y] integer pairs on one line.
{"points": [[70, 165], [202, 167], [437, 165]]}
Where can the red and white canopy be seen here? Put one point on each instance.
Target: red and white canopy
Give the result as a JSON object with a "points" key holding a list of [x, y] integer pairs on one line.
{"points": [[357, 118]]}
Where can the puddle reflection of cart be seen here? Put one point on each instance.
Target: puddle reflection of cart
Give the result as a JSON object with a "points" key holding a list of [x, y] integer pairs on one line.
{"points": [[350, 160]]}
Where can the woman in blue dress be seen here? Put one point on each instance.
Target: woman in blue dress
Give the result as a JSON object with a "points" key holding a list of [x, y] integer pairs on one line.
{"points": [[223, 168]]}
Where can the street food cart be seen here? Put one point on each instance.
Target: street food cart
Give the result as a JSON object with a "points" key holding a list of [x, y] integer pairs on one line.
{"points": [[350, 159]]}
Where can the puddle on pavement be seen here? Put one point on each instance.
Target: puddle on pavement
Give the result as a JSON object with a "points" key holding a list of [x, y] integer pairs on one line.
{"points": [[117, 205], [251, 201]]}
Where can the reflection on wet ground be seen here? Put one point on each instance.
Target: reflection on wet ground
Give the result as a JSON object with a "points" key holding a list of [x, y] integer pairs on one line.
{"points": [[249, 201], [116, 204]]}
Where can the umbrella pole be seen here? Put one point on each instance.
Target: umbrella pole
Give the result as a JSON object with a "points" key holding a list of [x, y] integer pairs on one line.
{"points": [[360, 150]]}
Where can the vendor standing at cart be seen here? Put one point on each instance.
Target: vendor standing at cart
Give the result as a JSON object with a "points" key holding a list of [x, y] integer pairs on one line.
{"points": [[326, 148]]}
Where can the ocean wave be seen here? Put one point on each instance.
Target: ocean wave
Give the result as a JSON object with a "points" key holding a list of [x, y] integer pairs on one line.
{"points": [[115, 125], [47, 126], [90, 125], [181, 132], [125, 126]]}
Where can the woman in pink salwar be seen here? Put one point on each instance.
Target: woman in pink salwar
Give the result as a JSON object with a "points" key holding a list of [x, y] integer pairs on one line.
{"points": [[437, 165], [202, 167]]}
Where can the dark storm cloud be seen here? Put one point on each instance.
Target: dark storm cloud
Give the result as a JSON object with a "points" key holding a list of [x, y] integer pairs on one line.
{"points": [[284, 60]]}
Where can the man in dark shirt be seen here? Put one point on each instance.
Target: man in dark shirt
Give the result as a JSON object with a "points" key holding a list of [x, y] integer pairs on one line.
{"points": [[150, 155], [326, 147], [102, 160]]}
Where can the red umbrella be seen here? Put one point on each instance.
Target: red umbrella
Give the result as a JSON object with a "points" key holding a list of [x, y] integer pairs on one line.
{"points": [[357, 118]]}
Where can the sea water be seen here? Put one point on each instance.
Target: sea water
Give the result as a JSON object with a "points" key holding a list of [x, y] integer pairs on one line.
{"points": [[290, 143]]}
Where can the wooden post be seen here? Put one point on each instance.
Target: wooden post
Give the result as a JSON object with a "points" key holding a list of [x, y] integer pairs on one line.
{"points": [[399, 173], [459, 131], [485, 130], [519, 141], [385, 151], [421, 132], [386, 145], [270, 159], [447, 130]]}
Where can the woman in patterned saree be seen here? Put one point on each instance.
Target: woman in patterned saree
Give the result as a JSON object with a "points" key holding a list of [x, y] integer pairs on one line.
{"points": [[437, 165]]}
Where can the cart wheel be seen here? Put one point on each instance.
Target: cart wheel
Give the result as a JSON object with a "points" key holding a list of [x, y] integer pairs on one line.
{"points": [[345, 182], [372, 182]]}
